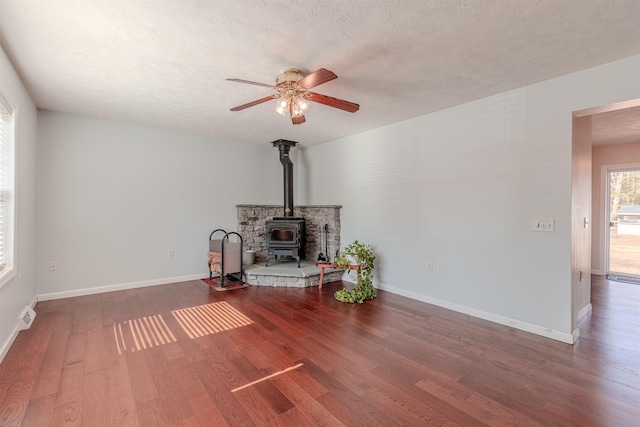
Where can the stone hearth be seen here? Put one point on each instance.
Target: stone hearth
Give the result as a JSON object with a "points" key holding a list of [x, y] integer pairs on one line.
{"points": [[251, 226], [288, 274]]}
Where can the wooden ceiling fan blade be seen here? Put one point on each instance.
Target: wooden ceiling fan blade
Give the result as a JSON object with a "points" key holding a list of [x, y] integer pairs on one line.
{"points": [[334, 102], [256, 102], [249, 82], [298, 120], [317, 78]]}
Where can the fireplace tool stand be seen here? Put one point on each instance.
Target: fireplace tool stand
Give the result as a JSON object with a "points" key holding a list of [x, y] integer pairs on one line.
{"points": [[225, 256]]}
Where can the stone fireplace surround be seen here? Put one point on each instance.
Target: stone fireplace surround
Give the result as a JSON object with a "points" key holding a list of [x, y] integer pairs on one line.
{"points": [[251, 226]]}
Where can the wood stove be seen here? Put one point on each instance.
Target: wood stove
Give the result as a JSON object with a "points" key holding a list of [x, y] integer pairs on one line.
{"points": [[286, 235]]}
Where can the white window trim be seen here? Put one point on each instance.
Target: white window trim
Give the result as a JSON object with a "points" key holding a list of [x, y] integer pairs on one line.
{"points": [[604, 208], [10, 271]]}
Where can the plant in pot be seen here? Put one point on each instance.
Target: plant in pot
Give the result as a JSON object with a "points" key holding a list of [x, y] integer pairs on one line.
{"points": [[360, 255]]}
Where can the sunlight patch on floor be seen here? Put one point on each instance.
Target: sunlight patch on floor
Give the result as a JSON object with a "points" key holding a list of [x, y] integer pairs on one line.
{"points": [[142, 333], [210, 318]]}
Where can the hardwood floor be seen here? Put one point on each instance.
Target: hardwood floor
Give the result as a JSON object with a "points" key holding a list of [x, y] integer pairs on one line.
{"points": [[389, 361]]}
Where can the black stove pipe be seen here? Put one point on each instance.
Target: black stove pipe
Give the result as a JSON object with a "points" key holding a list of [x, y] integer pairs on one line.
{"points": [[283, 147]]}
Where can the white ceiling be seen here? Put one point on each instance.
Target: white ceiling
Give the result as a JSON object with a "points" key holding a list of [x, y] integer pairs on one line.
{"points": [[616, 127], [164, 63]]}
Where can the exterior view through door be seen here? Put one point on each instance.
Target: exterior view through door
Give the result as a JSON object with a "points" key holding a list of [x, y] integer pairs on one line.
{"points": [[623, 216]]}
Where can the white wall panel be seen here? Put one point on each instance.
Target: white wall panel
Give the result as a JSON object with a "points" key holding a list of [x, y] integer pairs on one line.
{"points": [[115, 197], [462, 186]]}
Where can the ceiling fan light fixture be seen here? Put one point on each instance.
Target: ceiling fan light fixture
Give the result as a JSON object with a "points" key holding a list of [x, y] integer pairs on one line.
{"points": [[294, 104], [293, 95], [299, 106], [282, 106]]}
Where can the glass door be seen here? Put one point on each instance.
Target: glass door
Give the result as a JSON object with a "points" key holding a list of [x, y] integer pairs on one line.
{"points": [[623, 232]]}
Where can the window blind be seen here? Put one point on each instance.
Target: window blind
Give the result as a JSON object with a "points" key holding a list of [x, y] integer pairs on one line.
{"points": [[6, 183]]}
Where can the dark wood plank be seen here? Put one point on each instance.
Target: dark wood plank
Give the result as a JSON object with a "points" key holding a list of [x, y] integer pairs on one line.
{"points": [[19, 372], [226, 402], [94, 358], [389, 361], [142, 378], [95, 411], [309, 406], [48, 379], [119, 394], [68, 405], [39, 412], [205, 411]]}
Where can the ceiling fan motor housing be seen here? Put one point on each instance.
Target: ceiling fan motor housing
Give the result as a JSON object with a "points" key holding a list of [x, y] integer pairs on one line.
{"points": [[290, 75]]}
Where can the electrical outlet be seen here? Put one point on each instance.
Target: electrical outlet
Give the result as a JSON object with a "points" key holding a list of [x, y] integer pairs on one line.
{"points": [[429, 266], [53, 266], [440, 267], [170, 253]]}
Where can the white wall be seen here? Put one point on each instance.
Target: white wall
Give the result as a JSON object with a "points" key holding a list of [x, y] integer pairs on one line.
{"points": [[20, 291], [113, 198], [461, 187], [458, 187]]}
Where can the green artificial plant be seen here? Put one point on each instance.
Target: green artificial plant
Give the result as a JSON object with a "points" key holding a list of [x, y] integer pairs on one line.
{"points": [[361, 255]]}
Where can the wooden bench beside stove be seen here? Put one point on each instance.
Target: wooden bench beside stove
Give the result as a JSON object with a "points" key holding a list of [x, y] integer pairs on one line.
{"points": [[333, 265]]}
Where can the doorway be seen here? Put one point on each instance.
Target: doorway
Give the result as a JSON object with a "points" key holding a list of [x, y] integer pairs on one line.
{"points": [[623, 220], [611, 134]]}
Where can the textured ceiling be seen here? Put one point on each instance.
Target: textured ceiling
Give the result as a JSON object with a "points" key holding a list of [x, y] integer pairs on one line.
{"points": [[164, 63], [616, 127]]}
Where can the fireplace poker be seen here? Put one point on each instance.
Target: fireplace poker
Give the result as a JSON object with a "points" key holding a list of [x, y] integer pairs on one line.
{"points": [[321, 256], [326, 241]]}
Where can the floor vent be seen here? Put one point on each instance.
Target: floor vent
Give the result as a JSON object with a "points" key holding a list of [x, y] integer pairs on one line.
{"points": [[26, 318]]}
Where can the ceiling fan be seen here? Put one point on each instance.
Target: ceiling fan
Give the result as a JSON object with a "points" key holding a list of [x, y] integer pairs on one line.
{"points": [[293, 94]]}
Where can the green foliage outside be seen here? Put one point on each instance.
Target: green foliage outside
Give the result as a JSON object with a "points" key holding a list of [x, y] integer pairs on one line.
{"points": [[362, 256], [624, 189]]}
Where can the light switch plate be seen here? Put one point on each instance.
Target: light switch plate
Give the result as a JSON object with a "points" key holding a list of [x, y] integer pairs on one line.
{"points": [[548, 225]]}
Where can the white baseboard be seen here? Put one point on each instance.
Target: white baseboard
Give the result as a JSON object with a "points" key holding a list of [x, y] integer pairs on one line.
{"points": [[585, 310], [120, 287], [575, 335], [597, 272], [7, 345], [517, 324]]}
